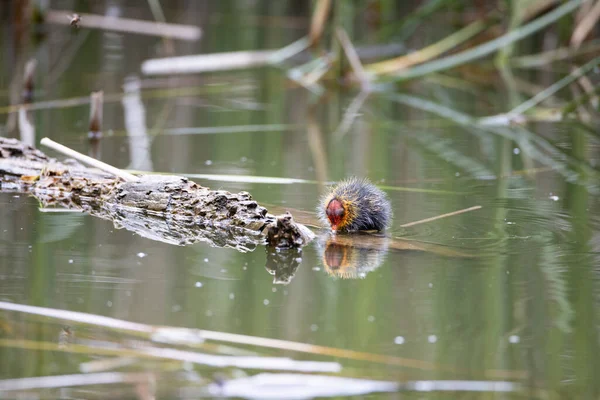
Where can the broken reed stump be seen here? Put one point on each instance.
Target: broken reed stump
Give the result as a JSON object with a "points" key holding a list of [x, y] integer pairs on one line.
{"points": [[96, 112], [170, 209], [28, 81]]}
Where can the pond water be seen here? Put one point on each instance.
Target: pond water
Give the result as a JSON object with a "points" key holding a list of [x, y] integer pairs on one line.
{"points": [[507, 292]]}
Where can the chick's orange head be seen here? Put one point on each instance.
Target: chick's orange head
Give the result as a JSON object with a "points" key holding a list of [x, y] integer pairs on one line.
{"points": [[336, 213], [355, 205]]}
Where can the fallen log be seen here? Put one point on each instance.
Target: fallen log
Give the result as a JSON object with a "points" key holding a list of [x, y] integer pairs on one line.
{"points": [[170, 208]]}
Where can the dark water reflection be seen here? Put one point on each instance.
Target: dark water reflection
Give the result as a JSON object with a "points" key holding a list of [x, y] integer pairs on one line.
{"points": [[508, 292]]}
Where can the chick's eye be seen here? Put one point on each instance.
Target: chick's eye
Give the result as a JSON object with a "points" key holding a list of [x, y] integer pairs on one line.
{"points": [[338, 212]]}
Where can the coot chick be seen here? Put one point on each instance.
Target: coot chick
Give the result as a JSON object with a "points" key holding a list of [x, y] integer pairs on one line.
{"points": [[355, 205]]}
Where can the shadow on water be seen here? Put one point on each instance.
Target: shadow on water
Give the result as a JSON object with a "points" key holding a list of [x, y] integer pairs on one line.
{"points": [[501, 300]]}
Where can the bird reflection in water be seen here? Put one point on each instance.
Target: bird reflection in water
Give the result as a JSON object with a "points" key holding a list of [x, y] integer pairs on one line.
{"points": [[343, 256], [352, 257]]}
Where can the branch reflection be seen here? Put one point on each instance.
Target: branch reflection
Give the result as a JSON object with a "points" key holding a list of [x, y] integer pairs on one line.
{"points": [[282, 264]]}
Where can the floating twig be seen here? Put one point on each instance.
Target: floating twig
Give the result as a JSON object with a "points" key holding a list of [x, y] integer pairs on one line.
{"points": [[127, 25], [173, 335], [223, 61], [126, 176], [207, 62], [61, 381], [216, 130], [319, 386], [451, 214], [145, 351], [298, 386]]}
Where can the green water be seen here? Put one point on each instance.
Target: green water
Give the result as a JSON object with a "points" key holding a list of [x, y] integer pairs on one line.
{"points": [[507, 292]]}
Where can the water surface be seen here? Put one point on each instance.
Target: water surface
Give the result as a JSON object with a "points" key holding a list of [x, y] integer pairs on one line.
{"points": [[507, 292]]}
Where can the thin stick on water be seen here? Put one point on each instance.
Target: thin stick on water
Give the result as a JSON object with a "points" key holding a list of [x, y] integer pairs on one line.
{"points": [[127, 25], [60, 210], [126, 176], [60, 381], [143, 352], [211, 62], [191, 337], [453, 213]]}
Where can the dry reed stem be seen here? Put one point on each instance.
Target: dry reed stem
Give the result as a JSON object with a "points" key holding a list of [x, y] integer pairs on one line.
{"points": [[426, 53], [63, 381], [96, 112], [451, 214], [196, 336], [211, 62], [585, 26], [126, 176], [319, 18], [127, 25], [352, 57]]}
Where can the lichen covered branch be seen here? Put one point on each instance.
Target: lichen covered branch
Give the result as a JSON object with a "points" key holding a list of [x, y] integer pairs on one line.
{"points": [[170, 208]]}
